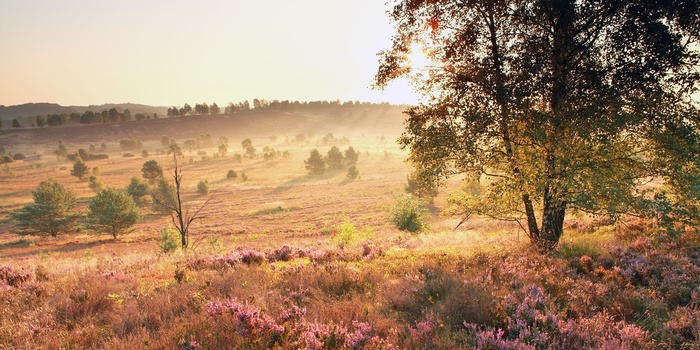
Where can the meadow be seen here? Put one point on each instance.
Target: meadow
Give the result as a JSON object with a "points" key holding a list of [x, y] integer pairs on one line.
{"points": [[287, 260]]}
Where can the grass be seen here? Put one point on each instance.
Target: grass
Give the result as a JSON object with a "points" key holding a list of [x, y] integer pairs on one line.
{"points": [[321, 259]]}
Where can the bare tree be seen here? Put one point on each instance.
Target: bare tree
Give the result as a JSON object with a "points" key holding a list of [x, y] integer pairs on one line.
{"points": [[182, 217]]}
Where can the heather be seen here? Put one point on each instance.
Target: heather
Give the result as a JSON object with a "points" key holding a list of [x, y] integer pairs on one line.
{"points": [[614, 291]]}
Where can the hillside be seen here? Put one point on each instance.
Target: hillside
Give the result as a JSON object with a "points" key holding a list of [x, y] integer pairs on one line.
{"points": [[33, 109], [384, 120]]}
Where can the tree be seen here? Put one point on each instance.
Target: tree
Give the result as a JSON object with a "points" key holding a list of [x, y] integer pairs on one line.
{"points": [[351, 156], [51, 213], [40, 121], [334, 158], [112, 211], [550, 105], [61, 151], [173, 112], [180, 215], [214, 109], [186, 110], [165, 141], [315, 164], [223, 149], [16, 124], [80, 169], [137, 188], [151, 171]]}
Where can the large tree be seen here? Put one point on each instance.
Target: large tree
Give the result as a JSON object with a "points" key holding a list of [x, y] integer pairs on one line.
{"points": [[550, 104], [51, 213]]}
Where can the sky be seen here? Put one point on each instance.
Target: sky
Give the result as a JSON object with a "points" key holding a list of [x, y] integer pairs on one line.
{"points": [[167, 53]]}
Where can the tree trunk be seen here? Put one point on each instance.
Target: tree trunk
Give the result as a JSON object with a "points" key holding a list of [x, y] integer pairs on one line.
{"points": [[552, 220]]}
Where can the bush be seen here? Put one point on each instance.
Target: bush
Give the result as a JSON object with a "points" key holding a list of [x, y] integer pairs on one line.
{"points": [[19, 156], [203, 187], [97, 156], [94, 183], [129, 144], [353, 173], [128, 155], [169, 240], [112, 211], [408, 214], [137, 188], [232, 174]]}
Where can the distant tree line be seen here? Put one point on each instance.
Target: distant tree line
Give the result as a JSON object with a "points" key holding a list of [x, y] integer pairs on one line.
{"points": [[266, 105], [113, 115]]}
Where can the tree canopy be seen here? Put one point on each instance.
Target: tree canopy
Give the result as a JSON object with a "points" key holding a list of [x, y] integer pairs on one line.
{"points": [[51, 213], [551, 105], [112, 211]]}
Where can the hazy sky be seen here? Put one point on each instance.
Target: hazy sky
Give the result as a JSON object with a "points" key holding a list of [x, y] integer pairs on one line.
{"points": [[82, 52]]}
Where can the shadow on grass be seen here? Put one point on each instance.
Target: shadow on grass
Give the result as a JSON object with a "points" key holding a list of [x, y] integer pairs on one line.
{"points": [[44, 247]]}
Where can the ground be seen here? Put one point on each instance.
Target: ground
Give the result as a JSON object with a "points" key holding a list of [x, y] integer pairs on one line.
{"points": [[289, 260]]}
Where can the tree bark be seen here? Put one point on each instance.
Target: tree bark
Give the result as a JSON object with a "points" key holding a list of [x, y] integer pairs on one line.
{"points": [[554, 210]]}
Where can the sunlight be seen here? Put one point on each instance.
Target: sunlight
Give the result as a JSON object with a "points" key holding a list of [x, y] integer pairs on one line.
{"points": [[418, 58]]}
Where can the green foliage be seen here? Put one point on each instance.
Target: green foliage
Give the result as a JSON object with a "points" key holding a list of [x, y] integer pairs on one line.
{"points": [[409, 214], [203, 187], [80, 169], [232, 174], [555, 105], [353, 173], [112, 211], [421, 185], [169, 240], [51, 213], [137, 188], [315, 164], [334, 158], [94, 183], [347, 236], [164, 196], [129, 144], [351, 156], [151, 171]]}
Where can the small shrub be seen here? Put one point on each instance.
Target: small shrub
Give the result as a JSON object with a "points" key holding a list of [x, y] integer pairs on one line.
{"points": [[244, 177], [347, 236], [168, 240], [408, 214], [19, 156], [128, 155], [232, 174], [203, 187], [94, 183], [353, 173], [97, 156]]}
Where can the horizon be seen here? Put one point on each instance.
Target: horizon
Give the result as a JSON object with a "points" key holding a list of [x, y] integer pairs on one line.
{"points": [[156, 53]]}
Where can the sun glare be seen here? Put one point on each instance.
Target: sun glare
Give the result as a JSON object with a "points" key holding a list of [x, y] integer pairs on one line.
{"points": [[418, 58]]}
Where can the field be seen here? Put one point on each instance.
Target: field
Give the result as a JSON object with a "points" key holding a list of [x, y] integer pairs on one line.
{"points": [[284, 259]]}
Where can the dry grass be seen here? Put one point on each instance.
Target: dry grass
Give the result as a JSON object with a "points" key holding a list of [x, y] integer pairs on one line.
{"points": [[271, 247]]}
